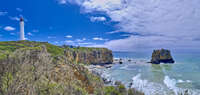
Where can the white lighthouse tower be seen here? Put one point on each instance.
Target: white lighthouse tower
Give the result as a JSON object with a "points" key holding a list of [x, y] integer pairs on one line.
{"points": [[22, 29]]}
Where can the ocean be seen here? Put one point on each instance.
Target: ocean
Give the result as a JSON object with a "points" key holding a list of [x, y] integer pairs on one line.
{"points": [[162, 79]]}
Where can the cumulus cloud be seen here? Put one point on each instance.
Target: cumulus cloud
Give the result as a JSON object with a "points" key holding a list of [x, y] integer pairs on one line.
{"points": [[9, 28], [68, 36], [30, 34], [93, 19], [163, 22]]}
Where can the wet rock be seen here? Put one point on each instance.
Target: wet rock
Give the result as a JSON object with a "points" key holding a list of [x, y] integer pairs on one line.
{"points": [[108, 66], [161, 56], [120, 61], [130, 84], [106, 80], [118, 83]]}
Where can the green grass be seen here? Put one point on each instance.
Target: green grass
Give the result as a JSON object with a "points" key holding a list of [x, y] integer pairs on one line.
{"points": [[10, 46]]}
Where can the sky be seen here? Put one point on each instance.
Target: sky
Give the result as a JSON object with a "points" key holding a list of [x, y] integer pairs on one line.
{"points": [[120, 25]]}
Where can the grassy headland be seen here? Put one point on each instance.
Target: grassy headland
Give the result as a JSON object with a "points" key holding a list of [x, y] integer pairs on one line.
{"points": [[40, 68]]}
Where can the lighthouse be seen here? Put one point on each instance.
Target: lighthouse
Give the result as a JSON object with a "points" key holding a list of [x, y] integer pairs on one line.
{"points": [[22, 29]]}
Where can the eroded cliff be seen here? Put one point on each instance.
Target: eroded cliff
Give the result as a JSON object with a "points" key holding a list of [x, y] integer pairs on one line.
{"points": [[33, 70], [37, 68]]}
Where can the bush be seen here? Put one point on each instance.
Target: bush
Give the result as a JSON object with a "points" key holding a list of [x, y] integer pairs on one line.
{"points": [[111, 90]]}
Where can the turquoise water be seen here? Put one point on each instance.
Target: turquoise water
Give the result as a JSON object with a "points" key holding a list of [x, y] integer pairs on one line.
{"points": [[163, 79]]}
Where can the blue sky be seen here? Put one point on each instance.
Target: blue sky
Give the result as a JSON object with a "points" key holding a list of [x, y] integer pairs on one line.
{"points": [[50, 21], [121, 25]]}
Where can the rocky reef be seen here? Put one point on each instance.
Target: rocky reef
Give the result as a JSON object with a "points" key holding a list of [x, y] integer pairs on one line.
{"points": [[161, 56]]}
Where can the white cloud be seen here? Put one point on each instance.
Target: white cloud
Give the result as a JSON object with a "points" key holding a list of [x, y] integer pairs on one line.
{"points": [[93, 19], [51, 37], [30, 34], [56, 42], [80, 40], [62, 1], [3, 13], [162, 20], [19, 9], [14, 18], [9, 28], [84, 39], [140, 43], [100, 39], [86, 43], [68, 36], [69, 42]]}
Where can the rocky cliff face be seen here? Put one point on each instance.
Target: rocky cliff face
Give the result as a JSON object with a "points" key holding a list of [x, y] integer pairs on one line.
{"points": [[76, 54], [28, 68], [161, 56], [89, 55], [35, 68]]}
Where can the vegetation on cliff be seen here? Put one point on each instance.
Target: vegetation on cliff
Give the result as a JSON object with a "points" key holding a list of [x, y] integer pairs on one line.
{"points": [[76, 54], [38, 68]]}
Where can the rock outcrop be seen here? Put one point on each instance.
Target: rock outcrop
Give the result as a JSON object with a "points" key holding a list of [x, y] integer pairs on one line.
{"points": [[161, 56]]}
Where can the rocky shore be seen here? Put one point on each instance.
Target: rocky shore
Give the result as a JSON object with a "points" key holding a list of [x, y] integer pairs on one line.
{"points": [[101, 71]]}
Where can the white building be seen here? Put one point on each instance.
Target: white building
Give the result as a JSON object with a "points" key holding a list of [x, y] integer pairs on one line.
{"points": [[22, 29]]}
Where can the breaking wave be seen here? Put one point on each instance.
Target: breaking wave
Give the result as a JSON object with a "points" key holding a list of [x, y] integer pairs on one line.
{"points": [[168, 88]]}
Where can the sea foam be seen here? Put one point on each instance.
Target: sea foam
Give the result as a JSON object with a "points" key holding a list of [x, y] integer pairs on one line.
{"points": [[168, 88]]}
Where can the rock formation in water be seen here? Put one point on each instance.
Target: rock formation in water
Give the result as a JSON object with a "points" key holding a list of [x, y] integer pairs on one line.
{"points": [[161, 56]]}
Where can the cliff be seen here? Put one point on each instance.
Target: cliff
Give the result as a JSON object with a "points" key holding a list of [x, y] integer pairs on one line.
{"points": [[76, 54], [89, 55], [32, 68], [37, 68], [161, 56]]}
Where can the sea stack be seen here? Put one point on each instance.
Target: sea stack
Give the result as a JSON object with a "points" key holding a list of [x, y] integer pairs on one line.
{"points": [[161, 56], [22, 29]]}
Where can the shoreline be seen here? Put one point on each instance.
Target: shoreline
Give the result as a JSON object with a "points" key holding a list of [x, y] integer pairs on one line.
{"points": [[100, 70]]}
